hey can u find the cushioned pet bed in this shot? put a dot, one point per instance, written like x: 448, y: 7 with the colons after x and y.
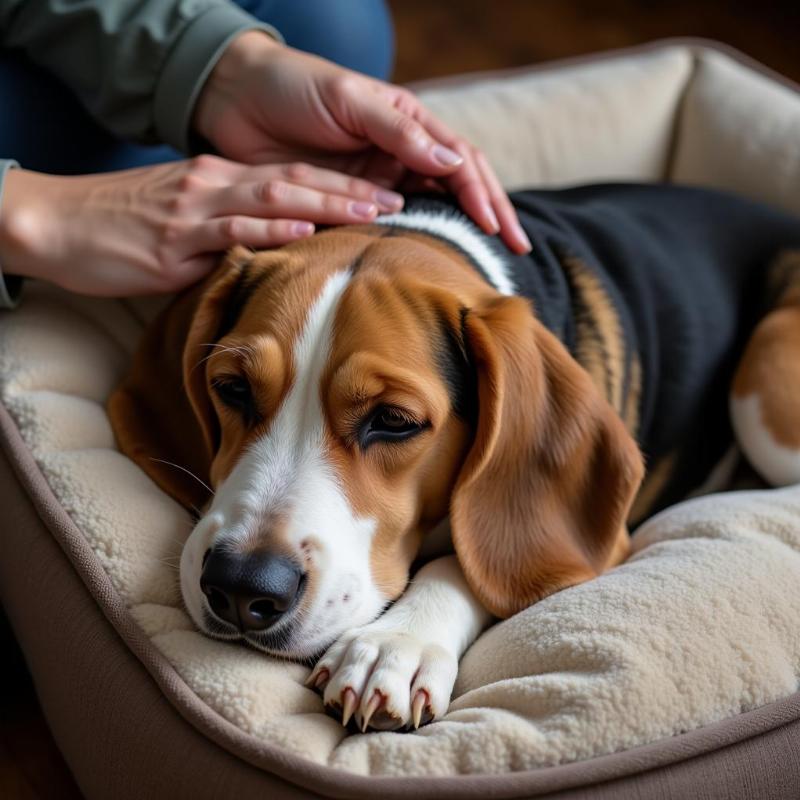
x: 673, y: 675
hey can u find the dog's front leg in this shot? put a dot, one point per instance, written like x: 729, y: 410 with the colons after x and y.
x: 400, y: 670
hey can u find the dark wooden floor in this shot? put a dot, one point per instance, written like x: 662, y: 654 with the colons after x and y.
x: 436, y: 38
x: 443, y: 37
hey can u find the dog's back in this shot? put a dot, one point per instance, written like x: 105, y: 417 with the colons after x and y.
x: 655, y: 290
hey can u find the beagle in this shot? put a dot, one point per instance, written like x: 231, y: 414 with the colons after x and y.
x: 340, y: 408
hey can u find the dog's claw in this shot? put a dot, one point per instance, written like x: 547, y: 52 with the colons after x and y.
x: 349, y: 701
x: 316, y: 679
x: 417, y: 704
x: 386, y: 680
x: 322, y: 679
x: 373, y: 705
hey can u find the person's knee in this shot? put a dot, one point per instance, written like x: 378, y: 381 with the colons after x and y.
x: 354, y: 33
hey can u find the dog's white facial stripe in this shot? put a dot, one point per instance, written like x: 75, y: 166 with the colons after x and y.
x: 264, y: 477
x: 285, y: 472
x: 457, y: 229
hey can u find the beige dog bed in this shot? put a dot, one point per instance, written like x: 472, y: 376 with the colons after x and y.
x: 698, y: 632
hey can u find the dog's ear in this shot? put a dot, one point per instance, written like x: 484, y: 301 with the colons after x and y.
x: 161, y: 413
x: 542, y: 498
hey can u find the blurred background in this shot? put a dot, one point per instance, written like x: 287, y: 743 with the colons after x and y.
x: 445, y: 37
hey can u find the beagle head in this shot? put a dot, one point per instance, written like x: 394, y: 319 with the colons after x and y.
x: 342, y: 396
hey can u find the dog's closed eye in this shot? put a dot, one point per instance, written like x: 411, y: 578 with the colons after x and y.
x: 235, y: 392
x: 389, y: 424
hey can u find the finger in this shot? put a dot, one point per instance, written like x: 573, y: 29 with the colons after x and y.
x: 337, y: 180
x: 384, y: 169
x: 372, y: 164
x: 402, y: 135
x: 414, y: 184
x: 473, y: 195
x: 219, y: 234
x: 188, y: 272
x: 480, y: 193
x: 280, y: 199
x: 437, y: 128
x: 340, y: 183
x: 510, y: 229
x: 477, y: 187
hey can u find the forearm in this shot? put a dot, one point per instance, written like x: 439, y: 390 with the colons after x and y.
x: 136, y: 66
x: 440, y: 606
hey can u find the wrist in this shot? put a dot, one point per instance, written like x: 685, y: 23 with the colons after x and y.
x: 251, y: 49
x: 17, y: 220
x: 22, y: 216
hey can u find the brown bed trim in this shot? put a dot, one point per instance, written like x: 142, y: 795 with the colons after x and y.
x: 726, y: 741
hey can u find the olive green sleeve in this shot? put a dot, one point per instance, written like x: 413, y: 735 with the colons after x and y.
x: 136, y: 65
x: 10, y: 285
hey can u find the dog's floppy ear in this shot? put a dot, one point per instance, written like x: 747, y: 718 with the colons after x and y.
x: 161, y: 413
x: 542, y: 498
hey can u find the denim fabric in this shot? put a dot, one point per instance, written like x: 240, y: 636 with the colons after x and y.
x: 46, y: 129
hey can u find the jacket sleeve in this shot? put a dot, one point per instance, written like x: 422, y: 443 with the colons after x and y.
x: 10, y: 285
x: 136, y: 65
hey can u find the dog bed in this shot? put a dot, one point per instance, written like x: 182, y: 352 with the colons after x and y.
x: 673, y: 675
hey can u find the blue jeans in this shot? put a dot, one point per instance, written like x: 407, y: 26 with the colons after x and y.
x: 49, y: 131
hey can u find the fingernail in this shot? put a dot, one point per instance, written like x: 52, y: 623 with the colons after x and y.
x: 522, y: 237
x: 389, y: 201
x: 445, y: 156
x: 302, y: 228
x: 490, y: 217
x: 363, y: 209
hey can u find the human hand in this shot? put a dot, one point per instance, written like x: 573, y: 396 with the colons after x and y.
x: 160, y: 228
x: 265, y: 102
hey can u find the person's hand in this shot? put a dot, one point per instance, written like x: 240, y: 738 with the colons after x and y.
x: 265, y: 102
x: 160, y: 228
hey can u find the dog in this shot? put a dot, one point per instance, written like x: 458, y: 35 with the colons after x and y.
x: 376, y: 397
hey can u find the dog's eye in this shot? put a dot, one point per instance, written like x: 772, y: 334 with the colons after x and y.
x: 234, y: 391
x: 389, y: 424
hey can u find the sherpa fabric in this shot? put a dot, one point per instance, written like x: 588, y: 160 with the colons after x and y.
x: 699, y: 625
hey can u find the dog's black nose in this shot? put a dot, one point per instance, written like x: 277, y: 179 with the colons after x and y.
x: 250, y: 590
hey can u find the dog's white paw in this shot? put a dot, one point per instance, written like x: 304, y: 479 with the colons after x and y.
x: 385, y: 679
